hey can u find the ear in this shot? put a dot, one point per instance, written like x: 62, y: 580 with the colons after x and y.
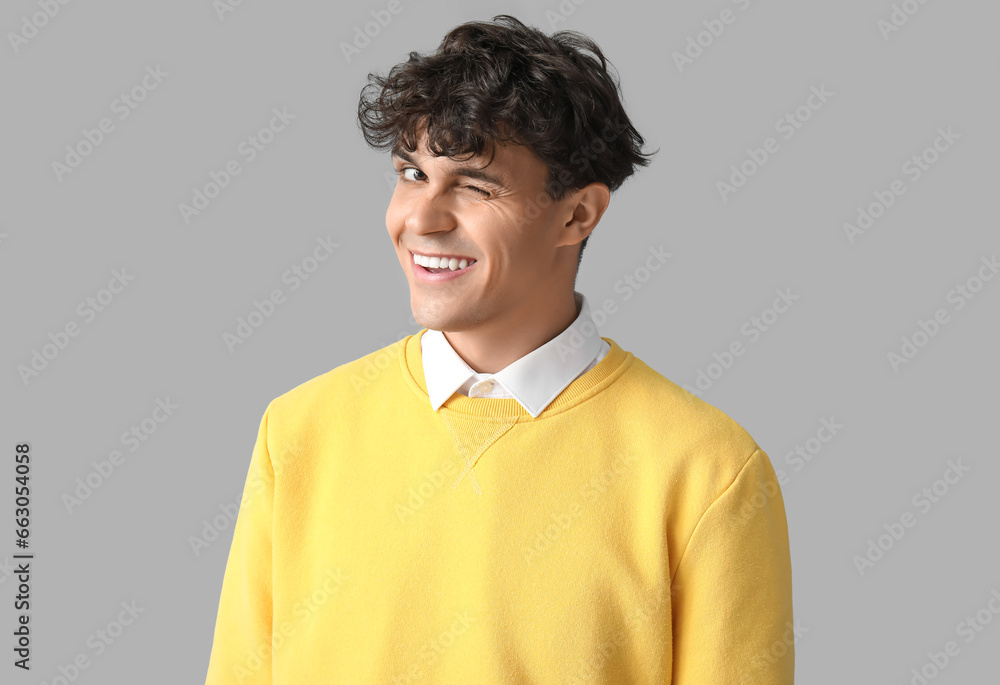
x: 586, y: 207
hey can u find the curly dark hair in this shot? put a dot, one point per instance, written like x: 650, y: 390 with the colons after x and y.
x: 504, y: 82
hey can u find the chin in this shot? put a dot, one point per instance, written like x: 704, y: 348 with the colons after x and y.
x: 437, y: 319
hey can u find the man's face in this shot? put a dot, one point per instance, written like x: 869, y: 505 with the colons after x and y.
x: 515, y: 236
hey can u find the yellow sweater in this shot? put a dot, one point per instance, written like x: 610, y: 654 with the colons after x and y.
x: 630, y: 534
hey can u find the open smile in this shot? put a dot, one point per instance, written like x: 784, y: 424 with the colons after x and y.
x: 440, y: 268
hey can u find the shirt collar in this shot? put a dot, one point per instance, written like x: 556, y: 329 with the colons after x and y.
x: 534, y: 380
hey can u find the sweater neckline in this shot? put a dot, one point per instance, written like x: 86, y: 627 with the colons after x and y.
x: 614, y: 363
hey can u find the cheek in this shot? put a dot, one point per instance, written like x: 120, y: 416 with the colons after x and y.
x: 393, y: 217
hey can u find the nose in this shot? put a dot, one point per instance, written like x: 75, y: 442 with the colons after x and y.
x: 426, y: 211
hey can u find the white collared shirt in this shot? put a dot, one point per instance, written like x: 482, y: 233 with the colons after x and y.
x: 534, y: 380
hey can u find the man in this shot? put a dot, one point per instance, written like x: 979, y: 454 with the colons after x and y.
x: 505, y: 496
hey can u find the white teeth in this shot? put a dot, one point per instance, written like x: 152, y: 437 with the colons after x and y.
x: 441, y: 263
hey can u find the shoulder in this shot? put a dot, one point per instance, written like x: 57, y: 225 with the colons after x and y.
x: 335, y: 391
x: 696, y: 434
x: 695, y: 450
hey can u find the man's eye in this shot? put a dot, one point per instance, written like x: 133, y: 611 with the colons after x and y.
x: 402, y: 172
x: 479, y: 190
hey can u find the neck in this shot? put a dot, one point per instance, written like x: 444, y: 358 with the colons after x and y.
x: 495, y: 345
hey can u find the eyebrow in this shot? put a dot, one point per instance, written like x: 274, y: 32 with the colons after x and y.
x: 459, y: 170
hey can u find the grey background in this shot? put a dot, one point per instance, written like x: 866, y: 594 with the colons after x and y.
x: 162, y: 336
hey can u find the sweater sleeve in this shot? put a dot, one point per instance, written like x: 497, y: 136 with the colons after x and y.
x: 241, y: 649
x: 732, y: 589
